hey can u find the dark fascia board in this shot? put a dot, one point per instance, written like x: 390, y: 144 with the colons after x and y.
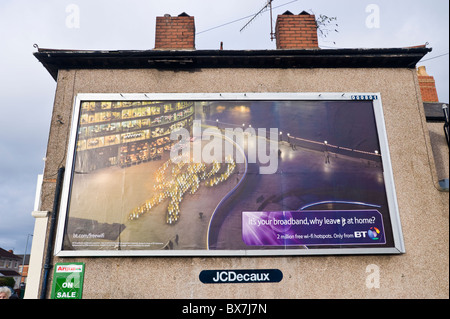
x: 54, y: 60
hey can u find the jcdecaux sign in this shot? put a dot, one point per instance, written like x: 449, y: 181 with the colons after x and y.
x: 240, y: 276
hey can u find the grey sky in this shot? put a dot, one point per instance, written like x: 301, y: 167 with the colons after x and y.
x: 27, y: 90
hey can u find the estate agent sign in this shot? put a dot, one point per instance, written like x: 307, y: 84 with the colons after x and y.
x: 68, y: 281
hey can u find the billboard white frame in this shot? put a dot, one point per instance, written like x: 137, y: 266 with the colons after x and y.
x: 399, y: 247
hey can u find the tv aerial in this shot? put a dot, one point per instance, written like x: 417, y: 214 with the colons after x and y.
x: 268, y: 6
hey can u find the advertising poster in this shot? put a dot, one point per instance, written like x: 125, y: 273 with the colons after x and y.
x: 206, y: 175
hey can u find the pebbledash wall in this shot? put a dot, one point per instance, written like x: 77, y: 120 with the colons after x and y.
x: 422, y: 272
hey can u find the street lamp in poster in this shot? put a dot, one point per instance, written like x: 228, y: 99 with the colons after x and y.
x: 278, y: 174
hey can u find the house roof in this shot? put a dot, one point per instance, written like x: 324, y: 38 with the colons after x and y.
x: 55, y: 60
x: 7, y: 254
x: 434, y: 112
x: 9, y: 273
x: 27, y: 258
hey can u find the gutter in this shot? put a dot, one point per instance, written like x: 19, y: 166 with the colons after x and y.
x: 54, y: 60
x: 51, y: 233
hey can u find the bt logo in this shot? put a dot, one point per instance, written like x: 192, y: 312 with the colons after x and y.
x: 373, y: 233
x: 359, y: 234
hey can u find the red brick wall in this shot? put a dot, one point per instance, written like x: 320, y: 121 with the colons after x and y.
x: 176, y: 33
x: 427, y: 85
x: 428, y: 89
x: 296, y: 32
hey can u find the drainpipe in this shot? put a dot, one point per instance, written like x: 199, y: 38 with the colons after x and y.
x: 444, y: 183
x: 445, y: 110
x: 51, y: 233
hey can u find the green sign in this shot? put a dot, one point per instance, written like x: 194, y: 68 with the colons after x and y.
x: 68, y: 281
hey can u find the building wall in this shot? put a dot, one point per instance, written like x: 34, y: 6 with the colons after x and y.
x: 423, y: 272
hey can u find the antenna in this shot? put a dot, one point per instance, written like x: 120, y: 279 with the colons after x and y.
x: 264, y: 9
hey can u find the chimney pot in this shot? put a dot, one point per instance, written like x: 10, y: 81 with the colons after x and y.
x: 422, y: 71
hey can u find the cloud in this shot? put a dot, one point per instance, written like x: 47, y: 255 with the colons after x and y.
x: 16, y: 203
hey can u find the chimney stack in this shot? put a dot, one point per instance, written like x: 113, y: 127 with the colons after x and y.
x: 175, y: 33
x: 296, y: 31
x: 427, y: 85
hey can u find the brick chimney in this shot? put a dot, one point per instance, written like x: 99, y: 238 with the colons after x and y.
x: 175, y: 33
x: 296, y: 31
x: 427, y: 85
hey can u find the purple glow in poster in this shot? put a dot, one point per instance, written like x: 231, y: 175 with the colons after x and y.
x: 346, y: 227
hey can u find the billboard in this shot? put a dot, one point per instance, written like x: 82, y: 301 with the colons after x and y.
x: 228, y: 175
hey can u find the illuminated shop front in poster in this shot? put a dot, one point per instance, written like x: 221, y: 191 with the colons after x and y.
x: 228, y: 175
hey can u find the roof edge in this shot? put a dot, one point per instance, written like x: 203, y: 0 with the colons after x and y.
x: 56, y: 59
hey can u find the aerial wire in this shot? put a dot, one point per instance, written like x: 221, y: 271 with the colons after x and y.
x: 438, y: 56
x: 240, y: 19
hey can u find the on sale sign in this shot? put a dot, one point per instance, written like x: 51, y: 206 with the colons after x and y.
x: 68, y: 281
